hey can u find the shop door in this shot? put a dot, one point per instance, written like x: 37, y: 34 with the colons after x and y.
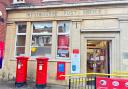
x: 98, y: 56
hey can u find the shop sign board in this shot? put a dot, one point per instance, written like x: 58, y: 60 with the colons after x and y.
x: 75, y: 61
x: 111, y: 83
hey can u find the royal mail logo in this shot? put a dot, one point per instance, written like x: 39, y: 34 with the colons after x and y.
x: 115, y: 83
x: 126, y: 84
x: 103, y: 82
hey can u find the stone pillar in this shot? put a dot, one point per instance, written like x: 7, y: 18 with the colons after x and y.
x: 75, y: 37
x: 124, y: 44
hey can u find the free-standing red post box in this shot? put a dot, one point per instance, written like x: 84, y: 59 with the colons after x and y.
x: 21, y: 71
x: 41, y: 72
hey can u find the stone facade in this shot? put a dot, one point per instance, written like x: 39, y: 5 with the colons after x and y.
x: 88, y: 22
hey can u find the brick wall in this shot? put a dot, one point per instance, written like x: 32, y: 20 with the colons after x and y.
x: 3, y: 24
x: 3, y: 5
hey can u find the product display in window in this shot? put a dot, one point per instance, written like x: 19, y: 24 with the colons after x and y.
x: 63, y: 39
x: 97, y: 56
x: 96, y: 60
x: 63, y: 46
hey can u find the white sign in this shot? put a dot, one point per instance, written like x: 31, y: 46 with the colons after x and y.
x: 40, y: 67
x: 75, y: 63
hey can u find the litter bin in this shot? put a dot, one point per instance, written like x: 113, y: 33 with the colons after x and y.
x: 41, y: 72
x: 21, y: 71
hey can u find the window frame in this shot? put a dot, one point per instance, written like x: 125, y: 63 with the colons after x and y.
x: 19, y: 34
x: 59, y: 34
x: 40, y: 34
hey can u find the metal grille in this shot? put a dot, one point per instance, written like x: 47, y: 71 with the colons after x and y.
x: 82, y: 82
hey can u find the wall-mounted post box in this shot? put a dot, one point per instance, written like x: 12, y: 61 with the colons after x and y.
x: 21, y: 71
x: 41, y: 72
x: 60, y: 70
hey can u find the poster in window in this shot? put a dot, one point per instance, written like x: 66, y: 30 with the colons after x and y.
x: 63, y: 46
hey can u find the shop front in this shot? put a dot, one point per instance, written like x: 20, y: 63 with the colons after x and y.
x: 86, y: 39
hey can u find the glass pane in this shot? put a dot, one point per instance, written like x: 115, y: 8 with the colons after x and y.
x: 20, y: 40
x: 41, y: 40
x: 21, y: 28
x: 97, y: 56
x: 20, y: 51
x: 63, y: 46
x: 41, y: 51
x: 63, y: 27
x: 44, y: 27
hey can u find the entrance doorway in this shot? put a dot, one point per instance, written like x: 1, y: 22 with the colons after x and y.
x: 98, y: 56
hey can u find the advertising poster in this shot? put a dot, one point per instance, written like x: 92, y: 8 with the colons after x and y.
x: 111, y: 83
x: 75, y: 61
x: 63, y: 46
x: 1, y: 53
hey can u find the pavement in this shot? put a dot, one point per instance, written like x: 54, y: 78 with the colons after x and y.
x: 29, y: 85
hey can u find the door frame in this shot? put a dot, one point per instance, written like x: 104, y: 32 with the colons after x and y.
x: 108, y: 54
x: 114, y: 51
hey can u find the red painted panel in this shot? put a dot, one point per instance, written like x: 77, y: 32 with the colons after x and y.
x: 111, y: 83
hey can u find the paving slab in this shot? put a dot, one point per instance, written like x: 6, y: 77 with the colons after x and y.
x: 29, y: 85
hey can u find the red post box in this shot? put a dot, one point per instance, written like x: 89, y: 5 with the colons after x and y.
x: 21, y: 71
x: 41, y: 72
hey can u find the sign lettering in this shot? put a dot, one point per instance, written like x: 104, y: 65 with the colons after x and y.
x: 80, y: 12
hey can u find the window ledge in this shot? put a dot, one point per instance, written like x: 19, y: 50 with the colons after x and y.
x: 50, y: 60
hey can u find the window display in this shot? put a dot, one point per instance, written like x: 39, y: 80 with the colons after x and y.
x: 63, y: 39
x: 96, y: 57
x: 63, y: 46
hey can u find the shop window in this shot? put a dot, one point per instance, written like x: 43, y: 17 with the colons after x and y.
x: 63, y: 39
x: 41, y: 39
x: 20, y: 39
x: 18, y: 1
